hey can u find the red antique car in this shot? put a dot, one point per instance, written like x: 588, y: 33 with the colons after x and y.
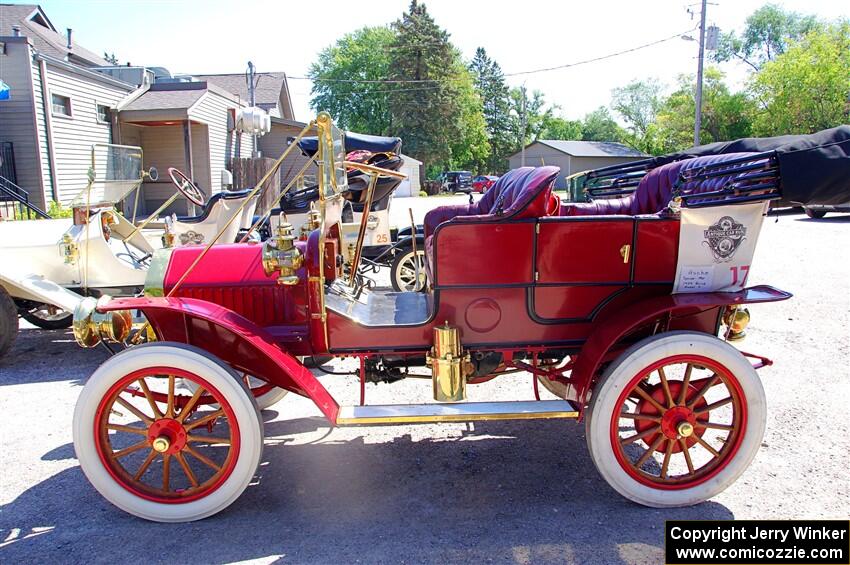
x: 620, y: 308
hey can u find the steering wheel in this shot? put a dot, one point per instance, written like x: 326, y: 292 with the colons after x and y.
x: 186, y: 187
x: 371, y: 170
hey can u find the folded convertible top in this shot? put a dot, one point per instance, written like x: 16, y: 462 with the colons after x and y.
x: 354, y: 141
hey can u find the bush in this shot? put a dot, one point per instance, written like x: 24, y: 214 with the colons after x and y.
x: 423, y: 193
x: 56, y: 210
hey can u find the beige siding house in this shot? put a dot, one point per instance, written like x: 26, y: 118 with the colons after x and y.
x: 574, y: 156
x: 64, y: 99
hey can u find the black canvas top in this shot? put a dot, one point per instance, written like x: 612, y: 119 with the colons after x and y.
x: 354, y: 141
x: 813, y: 169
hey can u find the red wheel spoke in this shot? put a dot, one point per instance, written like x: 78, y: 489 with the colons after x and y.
x: 149, y: 397
x: 638, y: 416
x: 643, y: 458
x: 186, y: 469
x: 144, y: 467
x: 713, y: 426
x: 203, y: 459
x: 685, y: 451
x: 666, y: 386
x: 705, y: 444
x: 211, y: 440
x: 201, y: 421
x: 128, y: 450
x: 169, y: 411
x: 711, y: 382
x: 187, y: 409
x: 641, y: 435
x: 685, y: 383
x: 712, y: 406
x: 138, y: 413
x: 667, y: 454
x: 128, y: 429
x: 645, y: 395
x: 166, y: 472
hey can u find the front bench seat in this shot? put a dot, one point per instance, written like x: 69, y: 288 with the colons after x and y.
x: 655, y: 189
x: 521, y: 193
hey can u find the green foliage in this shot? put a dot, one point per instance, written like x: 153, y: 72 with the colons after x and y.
x: 438, y: 115
x: 638, y: 103
x: 767, y: 34
x: 556, y: 127
x: 599, y: 125
x: 55, y: 210
x: 805, y: 89
x: 495, y: 102
x: 359, y: 106
x: 725, y: 115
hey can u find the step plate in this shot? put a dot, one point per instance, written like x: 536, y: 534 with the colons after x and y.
x: 460, y: 412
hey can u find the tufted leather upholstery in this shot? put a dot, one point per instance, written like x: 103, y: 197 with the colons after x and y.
x: 520, y: 193
x: 655, y: 189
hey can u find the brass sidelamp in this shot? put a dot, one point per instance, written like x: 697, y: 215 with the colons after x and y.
x: 91, y: 327
x: 280, y: 254
x: 449, y: 365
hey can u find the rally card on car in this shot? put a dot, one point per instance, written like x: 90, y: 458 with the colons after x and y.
x: 716, y: 246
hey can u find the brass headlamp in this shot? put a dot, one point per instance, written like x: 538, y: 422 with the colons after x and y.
x: 281, y: 255
x: 91, y: 326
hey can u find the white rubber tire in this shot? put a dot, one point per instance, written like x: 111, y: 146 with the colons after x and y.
x: 618, y: 375
x: 216, y: 373
x: 271, y: 398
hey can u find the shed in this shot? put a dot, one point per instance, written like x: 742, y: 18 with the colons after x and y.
x: 409, y: 186
x: 574, y: 156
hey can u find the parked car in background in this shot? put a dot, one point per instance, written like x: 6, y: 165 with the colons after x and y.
x: 818, y: 211
x: 457, y: 181
x: 483, y: 182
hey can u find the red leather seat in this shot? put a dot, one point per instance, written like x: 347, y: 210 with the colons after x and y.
x: 521, y: 193
x: 655, y: 189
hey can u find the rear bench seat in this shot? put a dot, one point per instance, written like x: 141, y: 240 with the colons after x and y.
x: 521, y: 193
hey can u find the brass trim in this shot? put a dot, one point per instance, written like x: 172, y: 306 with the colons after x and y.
x: 460, y: 412
x: 625, y: 251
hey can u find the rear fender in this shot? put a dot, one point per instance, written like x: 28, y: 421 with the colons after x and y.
x: 244, y: 345
x: 612, y: 326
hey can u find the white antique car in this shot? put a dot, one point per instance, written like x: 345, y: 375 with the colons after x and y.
x: 48, y: 266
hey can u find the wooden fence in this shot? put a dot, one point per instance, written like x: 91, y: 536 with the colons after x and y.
x: 248, y: 172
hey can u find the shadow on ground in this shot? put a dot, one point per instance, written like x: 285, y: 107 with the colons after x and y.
x: 512, y: 492
x: 42, y: 356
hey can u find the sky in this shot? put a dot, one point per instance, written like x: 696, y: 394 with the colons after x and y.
x: 218, y: 36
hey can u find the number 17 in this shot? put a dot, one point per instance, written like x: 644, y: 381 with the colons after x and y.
x: 741, y: 279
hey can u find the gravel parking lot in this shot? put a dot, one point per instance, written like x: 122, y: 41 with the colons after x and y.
x: 513, y: 492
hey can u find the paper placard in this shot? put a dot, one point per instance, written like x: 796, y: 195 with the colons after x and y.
x: 716, y: 247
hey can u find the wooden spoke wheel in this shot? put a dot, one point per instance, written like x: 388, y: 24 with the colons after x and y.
x: 403, y: 271
x: 155, y: 448
x: 676, y: 419
x: 266, y: 395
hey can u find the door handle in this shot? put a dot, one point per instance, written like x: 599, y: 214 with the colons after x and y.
x: 625, y: 251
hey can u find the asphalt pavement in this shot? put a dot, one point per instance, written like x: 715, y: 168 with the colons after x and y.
x: 503, y: 492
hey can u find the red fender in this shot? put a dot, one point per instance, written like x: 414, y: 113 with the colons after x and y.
x: 234, y: 339
x: 612, y: 326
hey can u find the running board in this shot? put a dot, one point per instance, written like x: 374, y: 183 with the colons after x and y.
x: 460, y: 412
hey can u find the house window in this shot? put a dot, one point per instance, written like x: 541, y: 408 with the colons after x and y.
x: 61, y: 105
x: 104, y: 114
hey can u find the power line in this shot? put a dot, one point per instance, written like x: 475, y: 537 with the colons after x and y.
x: 518, y: 73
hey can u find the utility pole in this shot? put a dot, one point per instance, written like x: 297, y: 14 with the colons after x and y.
x: 524, y: 121
x: 698, y: 114
x: 252, y: 101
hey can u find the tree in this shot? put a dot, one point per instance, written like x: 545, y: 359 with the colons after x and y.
x: 359, y: 56
x: 637, y: 103
x: 111, y: 58
x: 598, y: 125
x: 556, y: 127
x: 432, y: 108
x: 766, y: 35
x: 495, y: 100
x: 805, y: 89
x: 725, y: 115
